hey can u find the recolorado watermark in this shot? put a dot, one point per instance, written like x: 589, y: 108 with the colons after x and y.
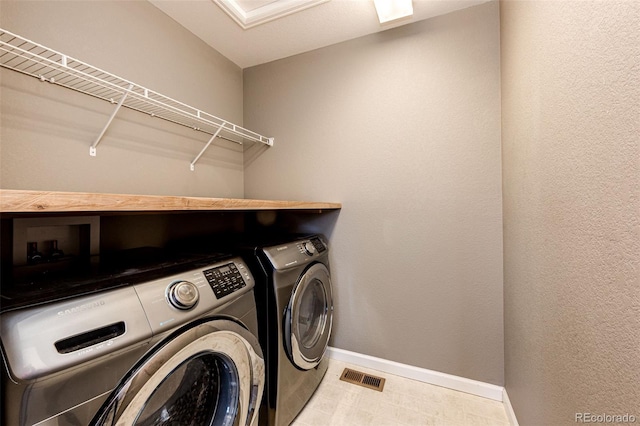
x: 604, y: 418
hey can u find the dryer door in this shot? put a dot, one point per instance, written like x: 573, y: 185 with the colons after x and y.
x: 308, y: 317
x: 208, y: 373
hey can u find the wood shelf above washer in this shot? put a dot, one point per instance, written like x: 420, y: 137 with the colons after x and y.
x: 23, y: 201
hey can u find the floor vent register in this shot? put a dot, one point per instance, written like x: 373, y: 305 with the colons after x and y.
x: 362, y: 379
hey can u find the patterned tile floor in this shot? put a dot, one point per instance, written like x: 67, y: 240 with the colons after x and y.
x: 402, y: 402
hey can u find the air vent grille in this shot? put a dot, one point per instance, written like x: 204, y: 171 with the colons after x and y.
x: 362, y: 379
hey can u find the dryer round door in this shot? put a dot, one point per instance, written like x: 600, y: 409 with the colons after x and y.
x: 207, y: 373
x: 308, y: 317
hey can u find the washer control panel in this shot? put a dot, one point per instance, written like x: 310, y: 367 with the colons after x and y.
x: 226, y: 279
x: 171, y: 301
x: 182, y: 295
x: 47, y: 338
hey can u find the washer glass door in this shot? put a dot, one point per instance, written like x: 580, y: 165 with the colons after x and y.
x: 308, y: 318
x: 202, y: 390
x: 199, y: 377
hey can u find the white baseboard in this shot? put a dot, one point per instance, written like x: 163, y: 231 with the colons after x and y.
x: 474, y: 387
x: 462, y: 384
x: 511, y: 415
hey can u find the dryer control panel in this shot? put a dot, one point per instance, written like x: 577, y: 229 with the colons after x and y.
x: 296, y: 253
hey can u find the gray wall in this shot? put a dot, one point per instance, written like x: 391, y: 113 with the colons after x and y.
x: 402, y: 127
x: 46, y: 130
x: 571, y: 165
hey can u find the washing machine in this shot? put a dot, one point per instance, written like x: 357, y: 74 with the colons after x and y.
x: 162, y: 346
x: 294, y: 298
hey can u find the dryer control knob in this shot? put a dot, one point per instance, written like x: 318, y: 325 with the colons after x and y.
x: 309, y: 248
x: 182, y: 295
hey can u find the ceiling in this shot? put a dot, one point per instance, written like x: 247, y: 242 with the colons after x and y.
x: 316, y: 24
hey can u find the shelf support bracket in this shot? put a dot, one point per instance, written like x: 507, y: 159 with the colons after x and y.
x: 92, y: 148
x: 192, y: 166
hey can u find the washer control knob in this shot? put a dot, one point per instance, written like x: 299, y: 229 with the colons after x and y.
x: 182, y: 295
x: 309, y: 248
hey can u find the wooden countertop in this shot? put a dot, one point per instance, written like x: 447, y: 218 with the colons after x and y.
x: 21, y: 201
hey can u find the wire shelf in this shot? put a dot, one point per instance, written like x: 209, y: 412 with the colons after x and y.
x: 27, y: 57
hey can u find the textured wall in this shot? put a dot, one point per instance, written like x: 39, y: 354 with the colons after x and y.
x: 571, y: 174
x: 46, y: 130
x: 402, y: 127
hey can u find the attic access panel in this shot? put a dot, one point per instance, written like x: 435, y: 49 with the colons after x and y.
x: 250, y: 13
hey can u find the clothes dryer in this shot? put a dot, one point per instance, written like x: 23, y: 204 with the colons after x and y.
x: 180, y: 349
x: 295, y: 307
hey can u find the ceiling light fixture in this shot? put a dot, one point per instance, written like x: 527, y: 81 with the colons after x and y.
x: 391, y: 10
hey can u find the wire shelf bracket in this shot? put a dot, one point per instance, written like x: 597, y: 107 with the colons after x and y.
x: 92, y: 148
x: 27, y: 57
x: 192, y: 166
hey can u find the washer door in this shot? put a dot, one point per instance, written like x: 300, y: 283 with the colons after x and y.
x: 209, y: 373
x: 308, y: 317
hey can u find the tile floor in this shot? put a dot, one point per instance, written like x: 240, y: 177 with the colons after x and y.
x: 402, y: 402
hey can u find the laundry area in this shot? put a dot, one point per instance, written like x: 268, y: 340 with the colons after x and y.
x: 303, y: 212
